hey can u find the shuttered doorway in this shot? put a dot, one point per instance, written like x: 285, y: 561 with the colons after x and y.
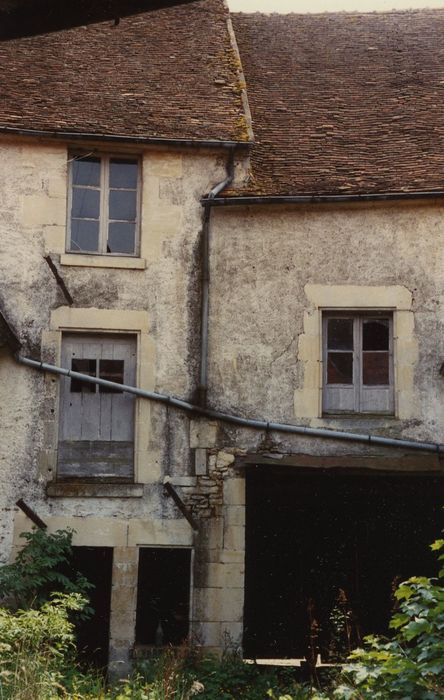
x: 96, y: 433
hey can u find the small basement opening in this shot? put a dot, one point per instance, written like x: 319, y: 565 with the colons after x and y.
x: 322, y: 544
x: 163, y: 596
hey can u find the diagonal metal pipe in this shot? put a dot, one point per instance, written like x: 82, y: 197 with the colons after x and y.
x: 238, y: 420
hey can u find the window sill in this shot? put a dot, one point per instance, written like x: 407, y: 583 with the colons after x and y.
x: 84, y: 490
x: 362, y: 416
x: 116, y: 261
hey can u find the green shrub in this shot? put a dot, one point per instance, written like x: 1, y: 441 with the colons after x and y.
x: 36, y: 572
x: 36, y: 645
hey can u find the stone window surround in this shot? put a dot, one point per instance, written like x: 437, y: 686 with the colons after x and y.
x: 100, y: 321
x: 396, y: 299
x: 158, y: 216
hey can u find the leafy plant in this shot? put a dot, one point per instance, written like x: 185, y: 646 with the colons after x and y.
x: 37, y: 571
x: 35, y: 647
x: 410, y: 666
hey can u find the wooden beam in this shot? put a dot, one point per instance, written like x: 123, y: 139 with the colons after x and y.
x: 408, y: 463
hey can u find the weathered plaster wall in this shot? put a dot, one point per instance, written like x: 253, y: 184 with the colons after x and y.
x: 269, y: 268
x: 163, y: 286
x: 266, y: 264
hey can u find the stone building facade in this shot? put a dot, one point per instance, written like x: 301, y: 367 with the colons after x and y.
x: 318, y: 296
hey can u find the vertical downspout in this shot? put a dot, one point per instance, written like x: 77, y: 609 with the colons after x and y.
x: 205, y: 290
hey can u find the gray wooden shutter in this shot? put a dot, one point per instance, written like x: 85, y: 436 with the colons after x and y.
x: 96, y: 427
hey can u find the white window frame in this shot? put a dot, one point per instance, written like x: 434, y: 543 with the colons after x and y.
x: 357, y: 389
x: 104, y: 220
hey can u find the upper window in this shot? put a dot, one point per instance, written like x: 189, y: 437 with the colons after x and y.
x: 358, y: 363
x: 104, y: 205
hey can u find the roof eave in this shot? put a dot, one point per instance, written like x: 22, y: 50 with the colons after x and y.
x: 121, y: 138
x: 322, y: 198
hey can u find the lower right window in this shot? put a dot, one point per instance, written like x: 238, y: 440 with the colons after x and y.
x: 358, y: 362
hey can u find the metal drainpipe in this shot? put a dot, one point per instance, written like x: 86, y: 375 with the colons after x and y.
x: 205, y: 291
x: 238, y: 420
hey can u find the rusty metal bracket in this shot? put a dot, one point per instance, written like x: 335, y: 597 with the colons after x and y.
x: 60, y: 281
x: 32, y: 515
x: 170, y: 491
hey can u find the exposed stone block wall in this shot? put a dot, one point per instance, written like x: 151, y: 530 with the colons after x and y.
x: 123, y: 609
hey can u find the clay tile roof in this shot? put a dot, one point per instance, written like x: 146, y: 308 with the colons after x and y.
x: 170, y: 73
x: 345, y: 103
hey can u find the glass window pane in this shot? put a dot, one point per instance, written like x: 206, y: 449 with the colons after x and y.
x: 112, y: 371
x: 122, y: 205
x: 86, y: 171
x: 340, y: 334
x: 340, y: 368
x: 84, y: 235
x: 85, y: 367
x: 375, y: 334
x: 121, y: 238
x: 375, y: 368
x: 85, y: 203
x: 123, y: 173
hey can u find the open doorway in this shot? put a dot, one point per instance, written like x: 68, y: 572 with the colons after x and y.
x: 320, y: 543
x: 95, y: 563
x: 163, y: 596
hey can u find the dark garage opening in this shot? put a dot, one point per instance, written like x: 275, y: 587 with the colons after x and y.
x: 95, y: 563
x: 312, y: 534
x: 163, y: 596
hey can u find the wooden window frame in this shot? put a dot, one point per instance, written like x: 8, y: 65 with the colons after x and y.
x: 104, y: 189
x: 357, y: 386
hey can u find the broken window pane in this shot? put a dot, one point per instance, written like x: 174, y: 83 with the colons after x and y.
x: 84, y: 367
x: 375, y: 334
x: 340, y: 368
x: 121, y: 237
x: 112, y: 371
x: 375, y: 368
x: 86, y: 171
x: 123, y: 174
x: 340, y: 334
x: 84, y: 235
